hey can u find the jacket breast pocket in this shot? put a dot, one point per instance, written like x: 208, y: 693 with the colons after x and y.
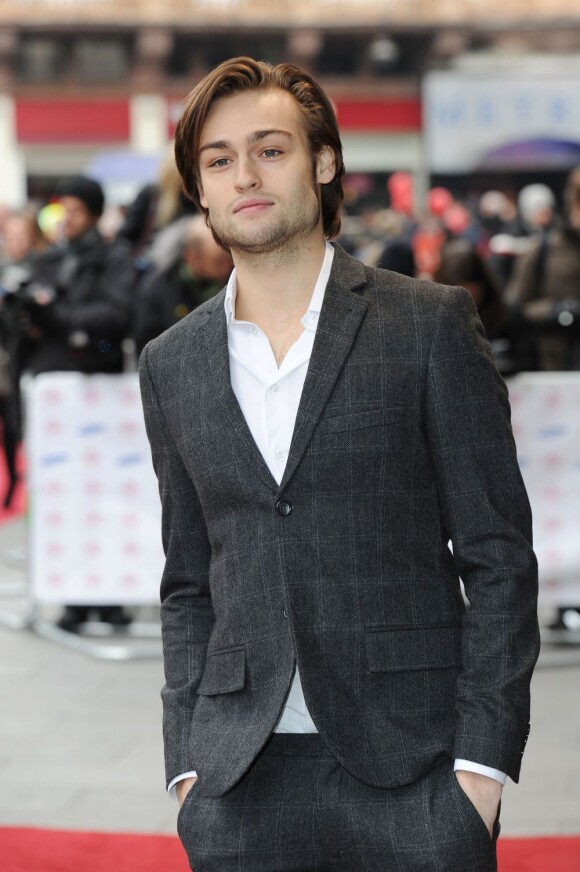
x: 405, y: 649
x: 225, y: 672
x: 357, y: 420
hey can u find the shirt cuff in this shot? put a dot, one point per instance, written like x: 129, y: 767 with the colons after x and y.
x: 469, y: 766
x: 171, y: 790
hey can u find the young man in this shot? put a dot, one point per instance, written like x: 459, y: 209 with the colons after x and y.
x: 321, y: 431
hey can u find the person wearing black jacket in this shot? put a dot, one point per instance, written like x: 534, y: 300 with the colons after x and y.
x: 81, y: 295
x: 84, y: 290
x: 512, y: 337
x: 22, y: 243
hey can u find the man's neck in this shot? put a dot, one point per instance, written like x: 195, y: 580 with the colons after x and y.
x: 274, y: 289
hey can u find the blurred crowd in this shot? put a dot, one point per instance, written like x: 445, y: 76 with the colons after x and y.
x: 75, y: 297
x: 81, y: 292
x: 518, y: 256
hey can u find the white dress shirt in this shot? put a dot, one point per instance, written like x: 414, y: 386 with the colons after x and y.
x: 269, y: 396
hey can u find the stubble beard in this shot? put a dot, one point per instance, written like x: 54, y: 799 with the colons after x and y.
x: 287, y: 233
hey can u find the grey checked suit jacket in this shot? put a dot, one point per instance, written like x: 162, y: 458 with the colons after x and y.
x: 402, y: 444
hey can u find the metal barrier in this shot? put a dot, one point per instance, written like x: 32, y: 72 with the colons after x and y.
x: 94, y: 514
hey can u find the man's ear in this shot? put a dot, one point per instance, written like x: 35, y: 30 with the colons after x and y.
x: 325, y: 165
x: 201, y: 195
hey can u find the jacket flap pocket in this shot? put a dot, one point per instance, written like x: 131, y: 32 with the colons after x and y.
x: 407, y: 648
x: 225, y: 671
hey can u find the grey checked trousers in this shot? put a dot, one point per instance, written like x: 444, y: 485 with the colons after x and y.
x: 298, y: 810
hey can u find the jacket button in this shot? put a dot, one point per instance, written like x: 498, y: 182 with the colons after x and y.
x: 283, y: 507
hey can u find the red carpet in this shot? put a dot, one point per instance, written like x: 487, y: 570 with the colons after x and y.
x: 34, y: 850
x: 18, y: 503
x: 553, y: 854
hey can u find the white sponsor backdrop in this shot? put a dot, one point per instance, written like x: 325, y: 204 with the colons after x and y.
x: 546, y: 422
x: 94, y: 504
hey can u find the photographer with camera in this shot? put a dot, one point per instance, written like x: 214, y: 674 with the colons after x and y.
x: 80, y: 307
x: 546, y: 285
x: 82, y: 291
x: 22, y: 242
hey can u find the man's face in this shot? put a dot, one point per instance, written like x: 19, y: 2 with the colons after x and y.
x: 18, y: 238
x: 77, y: 219
x: 257, y: 176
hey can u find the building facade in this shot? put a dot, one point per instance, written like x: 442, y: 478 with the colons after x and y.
x: 88, y: 83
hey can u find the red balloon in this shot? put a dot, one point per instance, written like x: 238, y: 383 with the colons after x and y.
x: 438, y: 201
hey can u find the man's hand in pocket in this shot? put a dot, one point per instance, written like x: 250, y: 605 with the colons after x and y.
x: 183, y: 788
x: 483, y: 792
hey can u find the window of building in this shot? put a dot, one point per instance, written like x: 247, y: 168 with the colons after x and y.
x: 102, y: 59
x: 41, y: 59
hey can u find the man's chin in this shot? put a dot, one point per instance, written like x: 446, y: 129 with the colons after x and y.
x: 254, y: 244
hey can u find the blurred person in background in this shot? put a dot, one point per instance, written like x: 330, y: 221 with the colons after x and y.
x: 546, y: 283
x: 397, y: 252
x: 22, y: 238
x: 83, y: 306
x: 150, y: 220
x: 537, y: 208
x: 428, y: 240
x: 503, y: 235
x: 22, y: 242
x: 512, y: 337
x: 383, y: 240
x: 397, y: 255
x: 320, y: 430
x: 169, y: 294
x: 444, y: 218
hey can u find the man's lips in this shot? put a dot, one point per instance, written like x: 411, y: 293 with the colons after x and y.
x: 254, y: 205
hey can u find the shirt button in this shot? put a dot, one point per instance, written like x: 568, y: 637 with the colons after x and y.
x: 275, y: 388
x: 254, y: 331
x: 283, y: 507
x: 279, y: 455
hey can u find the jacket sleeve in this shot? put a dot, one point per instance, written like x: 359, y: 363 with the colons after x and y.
x: 487, y: 516
x: 187, y: 616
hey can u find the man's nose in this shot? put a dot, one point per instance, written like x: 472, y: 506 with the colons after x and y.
x: 246, y: 175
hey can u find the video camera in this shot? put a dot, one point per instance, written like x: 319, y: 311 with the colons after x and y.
x: 21, y: 297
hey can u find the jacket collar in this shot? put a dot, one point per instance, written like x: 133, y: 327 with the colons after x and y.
x: 342, y: 312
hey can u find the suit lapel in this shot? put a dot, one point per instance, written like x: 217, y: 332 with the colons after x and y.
x: 222, y: 397
x: 340, y: 318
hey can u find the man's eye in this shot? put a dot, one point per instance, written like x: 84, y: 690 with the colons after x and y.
x: 271, y: 152
x: 220, y: 162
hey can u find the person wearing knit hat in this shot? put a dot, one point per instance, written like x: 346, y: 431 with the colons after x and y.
x: 88, y: 191
x: 83, y: 202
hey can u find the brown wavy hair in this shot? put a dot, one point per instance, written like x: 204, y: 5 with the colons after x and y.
x: 246, y: 74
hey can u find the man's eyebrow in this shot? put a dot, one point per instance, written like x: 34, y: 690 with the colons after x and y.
x: 256, y: 136
x: 219, y: 144
x: 262, y: 134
